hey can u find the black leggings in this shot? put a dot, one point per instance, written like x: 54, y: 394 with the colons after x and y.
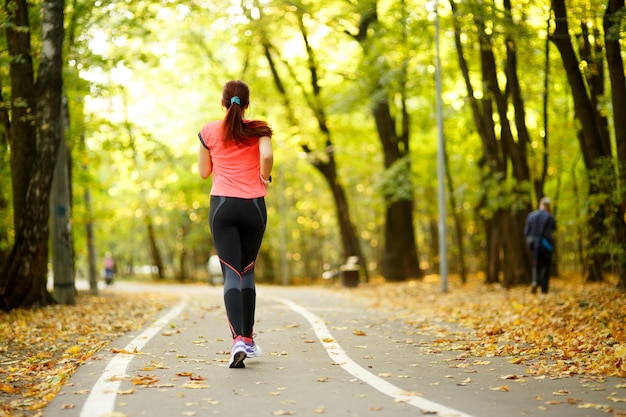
x: 237, y: 226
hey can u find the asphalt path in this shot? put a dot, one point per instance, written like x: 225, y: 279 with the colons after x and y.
x: 324, y: 353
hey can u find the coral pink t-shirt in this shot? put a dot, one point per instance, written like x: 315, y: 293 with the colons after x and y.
x: 236, y: 167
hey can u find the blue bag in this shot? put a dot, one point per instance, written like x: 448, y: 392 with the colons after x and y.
x: 547, y: 245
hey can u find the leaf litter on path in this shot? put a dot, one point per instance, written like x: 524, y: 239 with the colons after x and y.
x: 576, y: 329
x: 41, y: 348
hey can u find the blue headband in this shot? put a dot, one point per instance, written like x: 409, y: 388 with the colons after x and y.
x: 235, y: 99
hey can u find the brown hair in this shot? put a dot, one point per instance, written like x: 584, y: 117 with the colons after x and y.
x: 235, y: 127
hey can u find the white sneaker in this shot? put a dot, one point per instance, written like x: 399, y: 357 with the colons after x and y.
x: 238, y: 354
x: 253, y: 351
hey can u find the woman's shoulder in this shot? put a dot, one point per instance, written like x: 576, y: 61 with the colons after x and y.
x: 211, y: 129
x: 212, y: 125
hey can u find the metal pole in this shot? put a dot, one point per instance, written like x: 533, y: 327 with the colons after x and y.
x: 443, y: 252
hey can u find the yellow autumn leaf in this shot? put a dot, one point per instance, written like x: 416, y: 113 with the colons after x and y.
x: 74, y: 350
x: 613, y: 397
x: 195, y: 385
x: 126, y: 392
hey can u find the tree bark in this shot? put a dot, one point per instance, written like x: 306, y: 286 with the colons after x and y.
x: 457, y: 215
x: 5, y: 173
x: 504, y: 227
x: 23, y: 127
x: 24, y: 278
x: 157, y: 260
x: 615, y: 67
x: 400, y: 258
x: 61, y: 230
x: 92, y: 257
x: 592, y: 136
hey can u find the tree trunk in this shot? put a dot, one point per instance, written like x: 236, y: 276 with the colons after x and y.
x: 154, y: 250
x: 5, y: 174
x: 182, y: 255
x: 493, y: 263
x: 349, y: 240
x: 593, y: 137
x: 92, y: 257
x: 61, y: 230
x: 23, y: 133
x: 24, y: 278
x: 615, y: 67
x: 504, y: 228
x: 457, y: 215
x: 323, y: 161
x: 400, y: 257
x: 400, y: 261
x: 433, y: 245
x: 513, y: 249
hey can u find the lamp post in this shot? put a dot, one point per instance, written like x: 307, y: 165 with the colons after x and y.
x: 443, y: 252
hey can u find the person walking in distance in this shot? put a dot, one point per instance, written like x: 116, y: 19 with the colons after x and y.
x: 538, y: 232
x: 238, y: 152
x: 109, y: 268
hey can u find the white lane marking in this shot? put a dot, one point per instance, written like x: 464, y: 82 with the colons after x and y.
x: 101, y: 399
x: 340, y: 357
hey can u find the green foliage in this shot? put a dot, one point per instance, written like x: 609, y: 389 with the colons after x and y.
x: 143, y: 77
x: 395, y: 184
x: 618, y: 22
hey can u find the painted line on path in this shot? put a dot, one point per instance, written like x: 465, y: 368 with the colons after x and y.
x: 103, y: 394
x: 340, y: 357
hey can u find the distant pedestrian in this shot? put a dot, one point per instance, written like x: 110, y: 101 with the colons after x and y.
x: 239, y: 154
x: 538, y: 232
x: 215, y: 269
x: 109, y: 268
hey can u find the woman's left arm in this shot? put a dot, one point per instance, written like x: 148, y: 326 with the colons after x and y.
x: 205, y: 165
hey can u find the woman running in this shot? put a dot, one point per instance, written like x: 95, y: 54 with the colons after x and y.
x: 239, y: 154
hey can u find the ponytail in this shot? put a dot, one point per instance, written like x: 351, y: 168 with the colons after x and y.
x: 236, y: 97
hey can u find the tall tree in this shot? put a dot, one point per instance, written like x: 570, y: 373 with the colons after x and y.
x: 504, y: 144
x: 322, y: 159
x: 5, y: 178
x: 400, y: 260
x: 588, y: 90
x: 23, y: 279
x: 613, y: 18
x: 60, y: 225
x: 22, y: 126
